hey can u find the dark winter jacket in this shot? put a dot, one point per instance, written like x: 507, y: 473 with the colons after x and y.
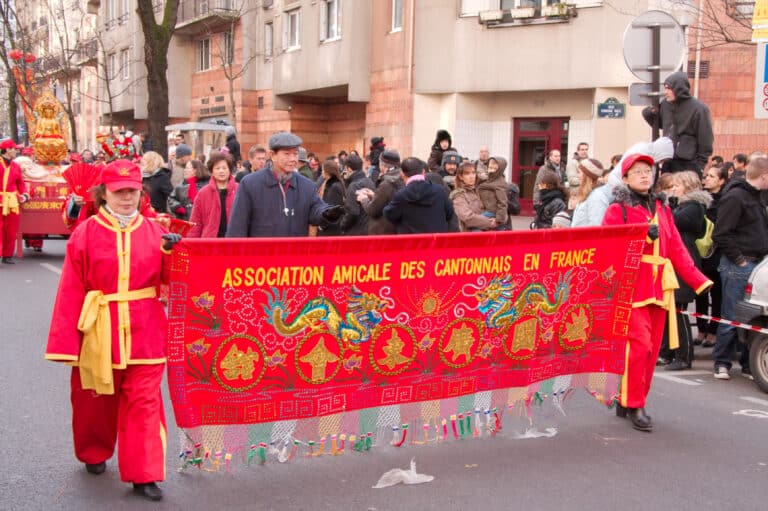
x: 687, y: 121
x: 333, y: 195
x: 552, y: 203
x: 420, y: 207
x: 688, y: 214
x: 160, y: 188
x: 494, y: 192
x: 436, y: 154
x: 262, y: 211
x: 355, y: 219
x: 183, y: 197
x: 741, y: 228
x: 548, y: 167
x: 377, y: 223
x: 234, y: 147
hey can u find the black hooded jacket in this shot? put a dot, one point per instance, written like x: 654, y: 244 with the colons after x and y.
x: 687, y: 121
x: 420, y: 207
x: 741, y: 229
x: 436, y: 154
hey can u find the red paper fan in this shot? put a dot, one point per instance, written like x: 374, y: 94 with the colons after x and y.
x: 180, y: 226
x: 82, y: 177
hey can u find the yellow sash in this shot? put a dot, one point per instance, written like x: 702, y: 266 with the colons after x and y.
x: 668, y: 285
x: 96, y: 352
x: 10, y: 200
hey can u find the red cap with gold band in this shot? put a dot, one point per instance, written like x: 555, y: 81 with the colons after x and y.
x: 8, y: 144
x: 121, y: 174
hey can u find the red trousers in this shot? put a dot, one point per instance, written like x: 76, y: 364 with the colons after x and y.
x: 646, y: 329
x: 132, y: 416
x: 9, y: 226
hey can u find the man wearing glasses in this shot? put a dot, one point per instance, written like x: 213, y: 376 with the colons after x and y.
x: 686, y: 121
x: 277, y: 201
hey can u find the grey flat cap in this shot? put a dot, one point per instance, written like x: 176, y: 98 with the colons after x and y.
x: 283, y: 140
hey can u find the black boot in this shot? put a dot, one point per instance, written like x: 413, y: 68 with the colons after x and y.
x: 96, y: 468
x: 677, y: 365
x: 8, y: 260
x: 621, y: 411
x: 149, y: 491
x: 640, y: 421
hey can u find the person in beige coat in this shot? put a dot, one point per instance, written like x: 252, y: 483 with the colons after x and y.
x: 494, y: 192
x: 466, y: 201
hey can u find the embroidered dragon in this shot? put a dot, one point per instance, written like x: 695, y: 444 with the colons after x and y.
x: 363, y: 314
x: 501, y: 309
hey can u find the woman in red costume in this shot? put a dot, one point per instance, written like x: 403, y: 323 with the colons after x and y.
x: 115, y: 262
x: 653, y: 302
x: 13, y: 192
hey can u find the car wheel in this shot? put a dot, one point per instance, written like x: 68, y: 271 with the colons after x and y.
x: 758, y: 361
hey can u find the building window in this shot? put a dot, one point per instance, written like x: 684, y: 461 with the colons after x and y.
x: 740, y: 9
x: 292, y: 29
x: 475, y: 7
x: 203, y: 55
x: 111, y: 13
x: 125, y: 66
x: 330, y: 20
x: 112, y: 66
x: 227, y: 48
x: 268, y: 40
x: 125, y: 11
x: 397, y: 15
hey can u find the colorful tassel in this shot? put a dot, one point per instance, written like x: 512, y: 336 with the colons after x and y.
x: 227, y: 461
x: 369, y: 441
x: 251, y: 454
x: 342, y: 441
x: 461, y: 424
x: 478, y: 424
x: 468, y: 423
x: 263, y: 453
x: 453, y: 426
x: 445, y: 430
x: 334, y: 445
x: 405, y: 434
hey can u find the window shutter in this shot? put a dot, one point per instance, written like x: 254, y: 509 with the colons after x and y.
x: 323, y: 20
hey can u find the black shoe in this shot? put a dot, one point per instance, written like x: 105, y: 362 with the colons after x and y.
x: 96, y: 468
x: 640, y: 421
x: 621, y: 411
x: 661, y: 361
x: 8, y: 260
x: 677, y: 365
x: 707, y: 344
x: 149, y: 491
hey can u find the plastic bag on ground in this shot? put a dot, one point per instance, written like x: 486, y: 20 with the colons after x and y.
x: 398, y: 475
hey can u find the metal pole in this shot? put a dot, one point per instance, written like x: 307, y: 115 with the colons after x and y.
x: 655, y: 75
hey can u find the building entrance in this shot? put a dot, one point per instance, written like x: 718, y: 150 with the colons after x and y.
x: 532, y: 139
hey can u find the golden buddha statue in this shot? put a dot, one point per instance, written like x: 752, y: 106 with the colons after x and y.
x: 48, y: 140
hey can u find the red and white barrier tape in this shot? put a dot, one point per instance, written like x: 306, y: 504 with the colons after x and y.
x: 745, y: 326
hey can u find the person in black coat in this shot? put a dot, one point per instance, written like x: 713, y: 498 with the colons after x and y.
x: 421, y: 206
x: 443, y: 143
x: 333, y: 192
x: 233, y: 145
x: 390, y: 181
x: 689, y: 205
x: 156, y: 179
x: 553, y: 199
x: 355, y: 219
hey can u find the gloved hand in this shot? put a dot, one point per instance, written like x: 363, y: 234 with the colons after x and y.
x: 170, y: 239
x: 333, y: 213
x: 653, y: 232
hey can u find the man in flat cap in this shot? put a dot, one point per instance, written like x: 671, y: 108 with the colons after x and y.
x: 278, y: 201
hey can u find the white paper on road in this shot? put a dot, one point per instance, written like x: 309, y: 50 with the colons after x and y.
x: 535, y: 433
x: 398, y: 475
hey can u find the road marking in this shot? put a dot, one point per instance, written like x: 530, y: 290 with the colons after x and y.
x: 50, y: 267
x: 755, y: 400
x: 758, y: 414
x: 676, y: 379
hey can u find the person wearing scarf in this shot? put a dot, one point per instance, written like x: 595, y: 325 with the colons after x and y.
x: 466, y: 201
x: 653, y: 302
x: 109, y: 324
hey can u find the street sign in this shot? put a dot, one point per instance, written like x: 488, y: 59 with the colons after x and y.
x: 640, y: 94
x: 611, y: 109
x: 638, y: 45
x: 761, y: 83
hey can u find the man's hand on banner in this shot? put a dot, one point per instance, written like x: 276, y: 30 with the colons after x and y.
x: 170, y: 239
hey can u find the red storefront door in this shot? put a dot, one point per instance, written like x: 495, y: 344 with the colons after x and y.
x: 532, y: 139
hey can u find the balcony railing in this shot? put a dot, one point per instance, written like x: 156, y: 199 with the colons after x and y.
x: 86, y: 52
x: 190, y: 10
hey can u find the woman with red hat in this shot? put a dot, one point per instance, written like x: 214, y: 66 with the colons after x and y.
x: 13, y: 192
x: 664, y: 254
x: 108, y: 323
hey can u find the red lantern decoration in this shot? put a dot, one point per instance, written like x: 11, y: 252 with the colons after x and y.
x: 29, y: 58
x: 15, y: 54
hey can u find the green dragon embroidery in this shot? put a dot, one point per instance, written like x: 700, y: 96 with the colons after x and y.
x: 355, y: 327
x: 501, y: 309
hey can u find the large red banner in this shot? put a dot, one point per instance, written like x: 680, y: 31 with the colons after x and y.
x: 268, y: 330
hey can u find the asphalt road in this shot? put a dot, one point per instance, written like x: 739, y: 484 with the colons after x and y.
x: 709, y: 449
